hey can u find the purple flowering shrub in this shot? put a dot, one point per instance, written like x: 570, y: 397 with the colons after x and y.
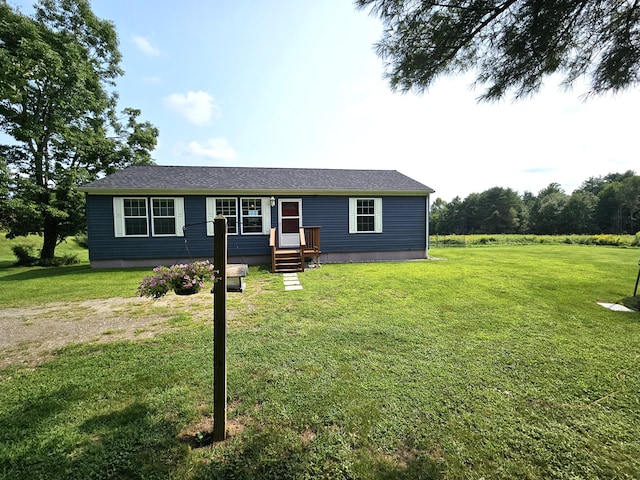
x: 182, y: 276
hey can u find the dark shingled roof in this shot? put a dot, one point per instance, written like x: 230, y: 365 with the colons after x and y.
x: 167, y: 179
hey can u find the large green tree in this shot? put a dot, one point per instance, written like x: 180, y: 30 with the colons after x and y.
x: 511, y: 45
x: 545, y: 213
x: 4, y: 180
x: 618, y: 208
x: 437, y: 217
x: 629, y: 192
x: 58, y: 104
x: 578, y: 213
x: 500, y: 211
x: 618, y: 205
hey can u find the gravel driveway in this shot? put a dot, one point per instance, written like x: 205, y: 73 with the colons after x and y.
x: 28, y: 336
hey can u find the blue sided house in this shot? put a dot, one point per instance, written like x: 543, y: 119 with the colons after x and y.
x: 154, y: 215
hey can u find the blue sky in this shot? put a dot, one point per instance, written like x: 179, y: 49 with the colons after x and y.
x: 296, y: 83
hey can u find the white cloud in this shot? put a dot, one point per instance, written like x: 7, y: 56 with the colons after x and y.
x: 214, y: 148
x: 197, y: 107
x: 145, y: 46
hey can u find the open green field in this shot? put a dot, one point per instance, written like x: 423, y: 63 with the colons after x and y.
x: 491, y: 363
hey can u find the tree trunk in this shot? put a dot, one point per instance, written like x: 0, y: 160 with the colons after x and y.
x: 50, y: 239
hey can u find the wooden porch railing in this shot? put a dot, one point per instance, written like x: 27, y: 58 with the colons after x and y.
x: 273, y: 246
x: 312, y: 243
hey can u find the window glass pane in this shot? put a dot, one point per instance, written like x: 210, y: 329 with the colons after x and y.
x: 251, y: 215
x: 163, y: 207
x: 164, y: 213
x: 365, y: 207
x: 251, y: 207
x: 290, y: 225
x: 252, y: 225
x: 365, y: 224
x: 135, y: 216
x: 290, y: 209
x: 135, y: 207
x: 135, y: 226
x: 365, y: 215
x: 232, y: 225
x: 228, y: 208
x: 164, y: 226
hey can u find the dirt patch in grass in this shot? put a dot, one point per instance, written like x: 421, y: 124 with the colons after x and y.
x: 30, y: 335
x: 200, y: 434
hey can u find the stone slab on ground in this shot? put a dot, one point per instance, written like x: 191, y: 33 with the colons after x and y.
x: 616, y: 307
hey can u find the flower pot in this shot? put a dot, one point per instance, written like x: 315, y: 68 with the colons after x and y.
x: 186, y: 290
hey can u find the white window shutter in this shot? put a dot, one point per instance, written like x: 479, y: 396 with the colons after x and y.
x: 377, y: 222
x: 266, y: 215
x: 353, y: 218
x: 178, y: 208
x: 211, y: 215
x: 118, y: 216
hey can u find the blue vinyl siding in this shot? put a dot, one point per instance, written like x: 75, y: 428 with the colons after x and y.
x: 103, y: 245
x: 404, y: 227
x: 403, y: 224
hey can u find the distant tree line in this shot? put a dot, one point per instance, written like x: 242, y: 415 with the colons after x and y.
x: 608, y: 204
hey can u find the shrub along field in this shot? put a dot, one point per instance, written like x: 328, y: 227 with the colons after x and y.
x: 488, y: 363
x: 517, y: 239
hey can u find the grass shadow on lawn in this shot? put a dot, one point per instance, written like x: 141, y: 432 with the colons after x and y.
x: 119, y: 444
x: 94, y: 424
x: 7, y: 264
x: 276, y: 452
x: 33, y: 273
x: 631, y: 302
x: 108, y: 425
x: 134, y: 442
x: 36, y: 273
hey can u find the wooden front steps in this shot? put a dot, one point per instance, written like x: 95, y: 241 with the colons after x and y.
x: 287, y: 261
x: 292, y: 260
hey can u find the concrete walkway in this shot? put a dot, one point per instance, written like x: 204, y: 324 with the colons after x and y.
x: 291, y: 281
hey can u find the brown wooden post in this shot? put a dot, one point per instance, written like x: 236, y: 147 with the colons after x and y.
x: 220, y: 330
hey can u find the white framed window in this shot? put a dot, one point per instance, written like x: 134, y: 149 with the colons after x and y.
x: 131, y: 216
x: 227, y: 206
x: 167, y: 216
x: 365, y: 215
x: 255, y: 216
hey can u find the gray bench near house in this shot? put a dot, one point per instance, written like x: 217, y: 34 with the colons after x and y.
x: 235, y: 277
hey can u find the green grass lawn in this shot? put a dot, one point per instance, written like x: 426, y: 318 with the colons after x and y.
x: 69, y: 247
x: 492, y: 363
x: 24, y: 286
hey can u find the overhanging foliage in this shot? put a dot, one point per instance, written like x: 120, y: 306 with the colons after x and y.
x: 512, y: 45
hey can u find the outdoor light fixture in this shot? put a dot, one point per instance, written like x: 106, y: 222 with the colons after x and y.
x: 272, y: 201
